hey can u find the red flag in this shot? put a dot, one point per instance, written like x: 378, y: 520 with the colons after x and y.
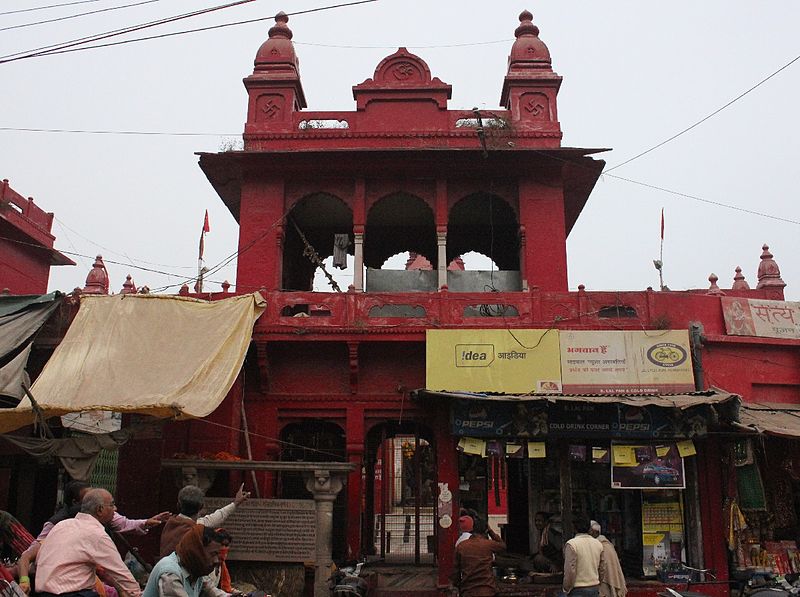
x: 662, y: 223
x: 207, y: 228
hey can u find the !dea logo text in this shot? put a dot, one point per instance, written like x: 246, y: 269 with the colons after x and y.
x: 666, y: 354
x: 474, y: 355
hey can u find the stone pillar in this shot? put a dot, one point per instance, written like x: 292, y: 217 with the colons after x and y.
x: 441, y: 258
x: 325, y: 486
x: 358, y: 259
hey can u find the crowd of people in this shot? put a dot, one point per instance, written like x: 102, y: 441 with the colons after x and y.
x: 74, y: 555
x: 588, y: 561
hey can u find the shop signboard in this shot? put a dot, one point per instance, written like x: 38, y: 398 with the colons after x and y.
x: 626, y: 362
x: 756, y: 317
x: 503, y: 361
x: 646, y: 466
x: 570, y: 418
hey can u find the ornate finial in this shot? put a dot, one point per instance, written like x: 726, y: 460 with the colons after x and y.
x: 184, y: 291
x: 280, y: 28
x: 581, y: 288
x: 769, y: 274
x: 128, y: 287
x: 226, y: 286
x: 97, y: 280
x: 713, y: 288
x: 739, y: 283
x: 526, y: 26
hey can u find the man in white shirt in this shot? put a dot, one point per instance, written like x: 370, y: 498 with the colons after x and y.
x: 583, y: 562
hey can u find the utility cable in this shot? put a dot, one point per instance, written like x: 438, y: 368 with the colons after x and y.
x: 108, y: 132
x: 702, y: 120
x: 702, y: 200
x: 91, y: 38
x: 12, y: 12
x: 67, y: 47
x: 75, y: 16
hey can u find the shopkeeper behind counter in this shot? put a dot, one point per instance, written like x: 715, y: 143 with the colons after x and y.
x: 550, y: 555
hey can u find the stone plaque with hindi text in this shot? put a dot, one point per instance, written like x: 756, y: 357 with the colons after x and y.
x: 270, y: 530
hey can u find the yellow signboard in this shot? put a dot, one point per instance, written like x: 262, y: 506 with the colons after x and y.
x: 505, y: 361
x: 616, y: 362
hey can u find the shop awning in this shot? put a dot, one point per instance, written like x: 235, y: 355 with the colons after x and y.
x: 21, y: 317
x: 771, y: 418
x: 158, y: 355
x: 679, y: 401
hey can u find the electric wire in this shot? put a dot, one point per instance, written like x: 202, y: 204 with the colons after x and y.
x: 115, y: 132
x: 75, y: 16
x: 128, y: 257
x: 67, y: 47
x: 702, y: 120
x: 702, y: 200
x: 12, y: 12
x: 96, y: 37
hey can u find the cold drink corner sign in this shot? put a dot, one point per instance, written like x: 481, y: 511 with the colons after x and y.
x: 508, y: 361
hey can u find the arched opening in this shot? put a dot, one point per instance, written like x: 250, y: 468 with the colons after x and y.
x: 400, y: 499
x: 483, y: 229
x: 484, y: 223
x: 398, y: 223
x: 320, y: 223
x: 315, y: 441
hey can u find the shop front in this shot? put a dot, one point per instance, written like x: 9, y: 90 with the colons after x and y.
x: 762, y: 499
x: 609, y: 427
x: 641, y: 466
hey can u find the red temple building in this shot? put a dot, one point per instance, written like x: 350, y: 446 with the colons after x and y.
x: 26, y: 244
x: 622, y: 405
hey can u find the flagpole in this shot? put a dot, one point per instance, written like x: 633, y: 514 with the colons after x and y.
x: 661, y: 254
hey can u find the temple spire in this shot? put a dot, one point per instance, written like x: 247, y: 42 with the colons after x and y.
x: 530, y: 86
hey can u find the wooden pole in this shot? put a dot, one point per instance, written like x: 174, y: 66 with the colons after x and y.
x: 249, y: 448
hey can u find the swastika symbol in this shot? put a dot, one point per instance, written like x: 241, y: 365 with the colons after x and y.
x: 534, y: 107
x: 270, y: 109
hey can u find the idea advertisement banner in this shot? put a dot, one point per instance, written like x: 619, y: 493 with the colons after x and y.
x: 756, y: 317
x: 626, y: 362
x: 504, y: 361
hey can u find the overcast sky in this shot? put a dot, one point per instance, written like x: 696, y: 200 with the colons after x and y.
x: 635, y: 73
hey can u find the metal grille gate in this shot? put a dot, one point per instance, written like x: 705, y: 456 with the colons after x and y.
x: 405, y: 491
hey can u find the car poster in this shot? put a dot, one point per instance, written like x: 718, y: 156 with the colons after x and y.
x: 646, y: 466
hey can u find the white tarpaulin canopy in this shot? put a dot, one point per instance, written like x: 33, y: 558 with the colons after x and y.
x: 158, y: 355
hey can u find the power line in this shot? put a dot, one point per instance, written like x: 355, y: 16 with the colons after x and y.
x: 111, y: 132
x: 67, y: 47
x: 702, y: 200
x: 702, y: 120
x: 75, y: 16
x: 12, y: 12
x: 88, y: 39
x: 67, y: 50
x: 412, y: 47
x: 625, y: 179
x: 89, y: 240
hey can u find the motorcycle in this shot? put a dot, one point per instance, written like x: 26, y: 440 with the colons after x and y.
x: 347, y: 582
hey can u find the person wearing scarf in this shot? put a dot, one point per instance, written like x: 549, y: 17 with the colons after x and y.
x: 183, y: 573
x: 614, y: 583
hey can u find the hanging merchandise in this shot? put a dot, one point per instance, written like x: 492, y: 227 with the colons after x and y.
x: 750, y: 488
x: 686, y: 448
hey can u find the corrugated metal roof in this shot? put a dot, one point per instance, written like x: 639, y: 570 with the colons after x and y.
x: 680, y: 401
x: 771, y: 418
